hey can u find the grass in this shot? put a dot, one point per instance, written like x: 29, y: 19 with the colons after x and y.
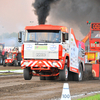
x: 9, y: 73
x: 11, y: 69
x: 95, y: 97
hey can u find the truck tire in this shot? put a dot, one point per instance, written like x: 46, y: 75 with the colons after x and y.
x: 1, y: 60
x: 63, y: 74
x: 27, y: 73
x: 79, y: 77
x: 15, y: 63
x: 4, y: 64
x: 19, y: 63
x: 19, y: 58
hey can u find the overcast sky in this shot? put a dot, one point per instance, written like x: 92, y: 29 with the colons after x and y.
x: 16, y: 14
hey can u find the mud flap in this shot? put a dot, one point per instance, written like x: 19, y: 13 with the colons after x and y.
x: 87, y: 74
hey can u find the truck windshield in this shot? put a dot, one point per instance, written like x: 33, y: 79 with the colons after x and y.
x: 95, y: 34
x: 49, y: 36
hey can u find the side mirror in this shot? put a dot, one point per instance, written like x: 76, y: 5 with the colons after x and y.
x: 20, y: 37
x: 66, y: 36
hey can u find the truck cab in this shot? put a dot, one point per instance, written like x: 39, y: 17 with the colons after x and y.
x: 46, y: 52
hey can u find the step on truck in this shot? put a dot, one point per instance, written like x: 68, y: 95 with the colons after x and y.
x: 52, y: 52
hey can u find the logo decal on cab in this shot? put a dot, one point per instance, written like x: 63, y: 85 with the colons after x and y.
x: 53, y: 47
x: 29, y: 47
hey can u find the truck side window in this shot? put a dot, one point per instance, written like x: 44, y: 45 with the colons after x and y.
x: 66, y: 36
x: 63, y: 37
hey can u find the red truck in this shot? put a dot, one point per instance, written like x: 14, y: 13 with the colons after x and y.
x: 51, y: 52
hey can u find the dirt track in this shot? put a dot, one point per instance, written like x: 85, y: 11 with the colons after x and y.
x: 16, y: 88
x: 9, y: 67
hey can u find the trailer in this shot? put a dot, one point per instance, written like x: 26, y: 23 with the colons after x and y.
x: 51, y: 52
x: 92, y: 51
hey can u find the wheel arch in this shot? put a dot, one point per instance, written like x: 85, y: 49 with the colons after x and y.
x: 82, y: 65
x: 67, y: 57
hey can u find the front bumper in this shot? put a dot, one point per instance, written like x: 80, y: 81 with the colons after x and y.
x: 42, y: 64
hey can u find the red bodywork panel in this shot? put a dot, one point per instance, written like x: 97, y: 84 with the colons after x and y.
x: 22, y: 51
x: 93, y: 46
x: 47, y: 27
x: 60, y: 51
x: 95, y: 70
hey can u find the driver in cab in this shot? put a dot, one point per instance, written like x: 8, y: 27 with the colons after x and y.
x: 56, y: 39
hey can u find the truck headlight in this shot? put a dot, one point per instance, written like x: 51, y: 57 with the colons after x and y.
x: 26, y: 63
x: 54, y: 63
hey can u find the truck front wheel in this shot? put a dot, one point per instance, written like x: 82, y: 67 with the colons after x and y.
x: 27, y: 73
x: 63, y: 74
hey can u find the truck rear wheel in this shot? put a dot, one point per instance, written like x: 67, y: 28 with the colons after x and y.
x: 79, y: 76
x: 27, y: 73
x: 63, y: 74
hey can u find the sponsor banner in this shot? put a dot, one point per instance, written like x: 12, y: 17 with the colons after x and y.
x: 40, y: 47
x: 73, y: 53
x: 74, y: 69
